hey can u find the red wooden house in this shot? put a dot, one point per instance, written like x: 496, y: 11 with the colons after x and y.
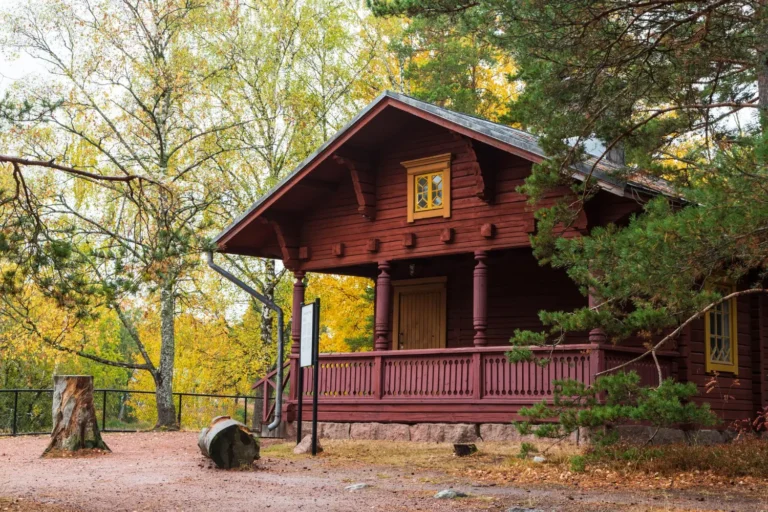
x: 423, y: 200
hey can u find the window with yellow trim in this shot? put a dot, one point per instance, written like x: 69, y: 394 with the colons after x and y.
x: 429, y: 187
x: 721, y: 336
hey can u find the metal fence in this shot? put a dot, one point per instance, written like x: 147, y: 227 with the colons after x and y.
x: 29, y: 411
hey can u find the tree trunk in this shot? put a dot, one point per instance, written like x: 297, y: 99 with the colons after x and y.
x: 269, y: 291
x: 163, y: 376
x: 228, y: 443
x: 75, y: 426
x: 762, y: 65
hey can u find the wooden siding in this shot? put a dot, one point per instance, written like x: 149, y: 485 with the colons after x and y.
x: 518, y: 288
x: 338, y: 221
x: 734, y: 396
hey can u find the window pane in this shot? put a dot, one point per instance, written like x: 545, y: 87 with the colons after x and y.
x: 422, y: 192
x: 720, y: 342
x: 437, y: 190
x: 725, y: 350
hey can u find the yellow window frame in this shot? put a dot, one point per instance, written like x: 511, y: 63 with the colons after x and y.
x: 431, y: 166
x: 731, y: 305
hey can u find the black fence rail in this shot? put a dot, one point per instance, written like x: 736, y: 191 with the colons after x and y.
x: 29, y: 411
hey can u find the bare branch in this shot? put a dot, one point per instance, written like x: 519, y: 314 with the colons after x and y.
x: 77, y: 172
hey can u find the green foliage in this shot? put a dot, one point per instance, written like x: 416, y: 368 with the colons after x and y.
x: 578, y: 463
x: 444, y: 62
x: 613, y: 399
x: 526, y: 449
x: 674, y: 88
x: 363, y: 342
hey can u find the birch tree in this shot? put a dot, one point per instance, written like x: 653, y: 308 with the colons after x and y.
x: 131, y: 80
x: 299, y: 69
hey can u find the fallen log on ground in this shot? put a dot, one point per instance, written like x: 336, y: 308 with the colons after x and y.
x: 75, y: 426
x: 228, y: 443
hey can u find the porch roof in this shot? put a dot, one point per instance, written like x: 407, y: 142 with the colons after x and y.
x: 506, y: 138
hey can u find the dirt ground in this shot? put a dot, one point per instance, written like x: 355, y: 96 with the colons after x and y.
x: 165, y: 471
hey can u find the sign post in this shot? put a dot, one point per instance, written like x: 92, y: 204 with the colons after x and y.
x: 308, y: 356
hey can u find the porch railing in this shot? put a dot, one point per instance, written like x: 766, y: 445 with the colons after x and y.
x: 471, y: 376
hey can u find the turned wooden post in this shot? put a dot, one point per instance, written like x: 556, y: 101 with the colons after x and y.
x: 596, y: 335
x: 480, y: 299
x: 383, y: 294
x: 298, y: 300
x: 75, y: 426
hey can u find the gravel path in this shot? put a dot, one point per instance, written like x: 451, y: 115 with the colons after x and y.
x: 165, y: 471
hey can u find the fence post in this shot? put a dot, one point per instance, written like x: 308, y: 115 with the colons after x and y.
x: 178, y: 417
x: 15, y: 407
x: 245, y: 417
x: 104, y: 411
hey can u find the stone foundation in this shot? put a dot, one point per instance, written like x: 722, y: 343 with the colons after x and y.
x: 460, y: 433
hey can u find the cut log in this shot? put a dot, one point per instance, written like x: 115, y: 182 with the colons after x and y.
x: 228, y: 443
x: 75, y: 426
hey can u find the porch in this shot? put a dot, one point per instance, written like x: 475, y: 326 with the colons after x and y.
x: 463, y: 385
x: 441, y: 333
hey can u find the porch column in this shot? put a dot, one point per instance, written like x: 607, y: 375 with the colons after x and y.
x: 596, y: 335
x: 480, y: 299
x: 298, y: 299
x: 383, y: 294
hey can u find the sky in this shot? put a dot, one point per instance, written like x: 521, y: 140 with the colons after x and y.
x: 15, y: 68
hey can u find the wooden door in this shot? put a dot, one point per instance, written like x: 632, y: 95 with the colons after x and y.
x: 419, y: 313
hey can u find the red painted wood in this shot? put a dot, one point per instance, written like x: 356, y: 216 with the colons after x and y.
x: 298, y: 299
x: 452, y: 385
x: 739, y: 387
x: 480, y: 299
x: 383, y: 295
x: 364, y: 183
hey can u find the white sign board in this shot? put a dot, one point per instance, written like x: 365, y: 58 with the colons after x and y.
x: 307, y: 324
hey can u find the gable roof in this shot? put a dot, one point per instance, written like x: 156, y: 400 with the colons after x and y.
x: 505, y: 137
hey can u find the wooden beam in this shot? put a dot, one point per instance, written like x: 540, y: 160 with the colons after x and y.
x: 363, y: 181
x: 287, y: 234
x: 488, y: 230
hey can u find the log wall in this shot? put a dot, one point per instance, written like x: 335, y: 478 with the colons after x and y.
x: 337, y: 235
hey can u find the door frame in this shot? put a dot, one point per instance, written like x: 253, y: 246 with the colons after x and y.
x: 427, y: 283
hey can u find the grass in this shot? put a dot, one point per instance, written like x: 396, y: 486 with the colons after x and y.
x: 746, y: 458
x: 742, y: 464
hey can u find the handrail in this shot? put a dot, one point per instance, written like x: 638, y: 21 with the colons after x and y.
x: 491, y: 349
x: 271, y: 373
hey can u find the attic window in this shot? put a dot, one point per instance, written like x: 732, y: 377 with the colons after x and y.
x: 721, y: 335
x: 429, y: 187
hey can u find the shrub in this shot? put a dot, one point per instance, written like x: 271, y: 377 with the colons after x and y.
x: 526, y: 449
x: 578, y: 463
x: 613, y: 399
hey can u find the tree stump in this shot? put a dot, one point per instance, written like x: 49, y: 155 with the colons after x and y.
x: 75, y: 426
x: 228, y: 443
